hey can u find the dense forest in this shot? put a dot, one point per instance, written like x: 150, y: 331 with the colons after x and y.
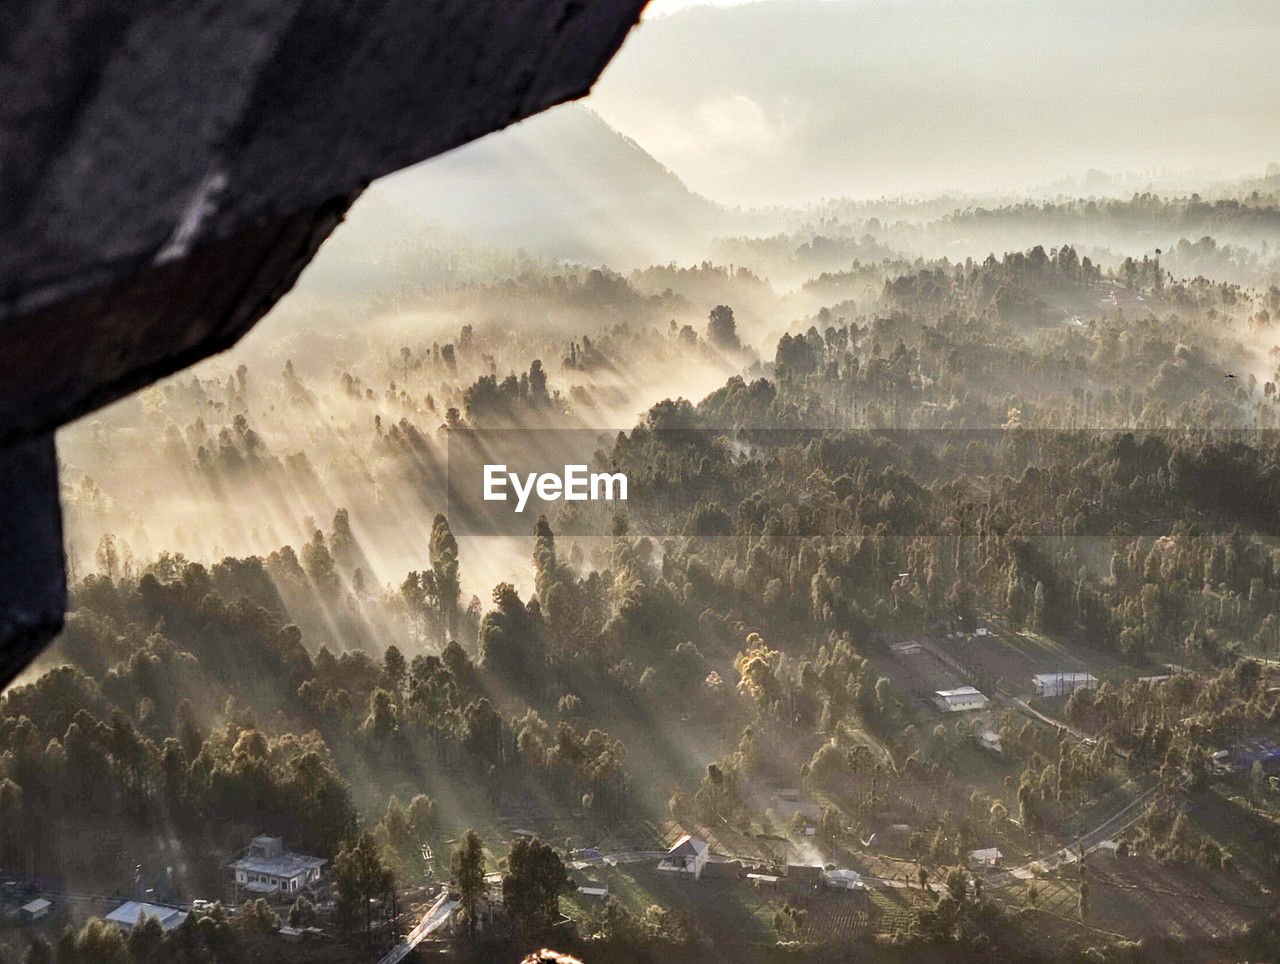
x: 857, y: 477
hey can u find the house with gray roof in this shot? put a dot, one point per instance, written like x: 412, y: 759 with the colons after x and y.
x: 266, y: 869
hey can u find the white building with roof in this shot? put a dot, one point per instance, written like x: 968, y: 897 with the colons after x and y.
x: 35, y: 910
x: 1063, y: 684
x: 688, y: 855
x: 267, y: 869
x: 128, y: 914
x: 844, y: 879
x: 960, y: 699
x: 985, y: 858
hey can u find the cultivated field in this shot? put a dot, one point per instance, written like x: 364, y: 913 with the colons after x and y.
x: 1140, y: 897
x: 920, y: 673
x: 726, y: 911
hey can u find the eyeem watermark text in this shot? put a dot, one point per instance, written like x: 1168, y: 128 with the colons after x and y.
x: 575, y: 484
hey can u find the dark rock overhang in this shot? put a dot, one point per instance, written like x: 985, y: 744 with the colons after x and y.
x: 167, y: 170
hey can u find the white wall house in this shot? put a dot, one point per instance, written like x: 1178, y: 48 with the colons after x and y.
x: 267, y: 869
x: 1063, y: 684
x: 985, y: 858
x: 958, y: 700
x: 844, y: 879
x: 688, y: 855
x: 37, y: 909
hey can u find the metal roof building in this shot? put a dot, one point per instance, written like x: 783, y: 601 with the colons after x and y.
x: 960, y: 699
x: 128, y: 914
x: 1063, y: 684
x: 1263, y: 750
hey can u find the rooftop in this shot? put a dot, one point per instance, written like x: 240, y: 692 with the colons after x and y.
x: 844, y: 876
x: 266, y: 855
x: 958, y: 693
x: 688, y: 845
x: 127, y: 914
x: 1262, y: 748
x: 1064, y: 676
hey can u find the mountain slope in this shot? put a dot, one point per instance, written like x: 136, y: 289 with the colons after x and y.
x: 564, y: 184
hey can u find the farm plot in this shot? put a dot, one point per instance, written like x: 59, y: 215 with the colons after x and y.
x: 726, y: 911
x: 1140, y: 897
x: 1011, y: 660
x: 1055, y: 896
x: 891, y: 909
x: 841, y: 918
x: 920, y: 673
x: 993, y: 658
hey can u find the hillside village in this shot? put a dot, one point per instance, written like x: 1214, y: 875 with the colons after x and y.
x: 940, y: 621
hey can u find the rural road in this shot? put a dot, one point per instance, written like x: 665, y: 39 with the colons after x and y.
x: 431, y: 920
x: 1087, y: 842
x: 1024, y: 707
x: 621, y: 857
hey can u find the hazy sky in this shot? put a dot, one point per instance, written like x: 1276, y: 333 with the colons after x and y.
x: 789, y: 100
x: 658, y: 8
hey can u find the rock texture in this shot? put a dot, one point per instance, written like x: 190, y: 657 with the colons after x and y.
x: 168, y: 169
x: 33, y: 591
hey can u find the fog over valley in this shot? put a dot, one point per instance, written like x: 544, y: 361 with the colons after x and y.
x: 937, y: 343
